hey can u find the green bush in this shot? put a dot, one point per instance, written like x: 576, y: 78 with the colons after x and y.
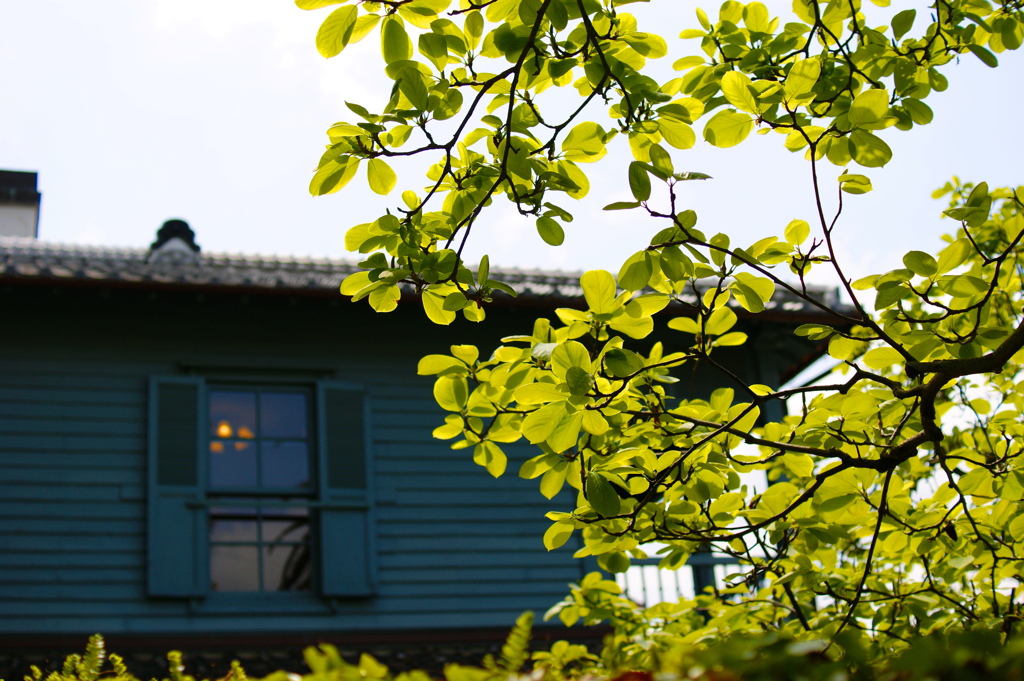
x: 959, y: 656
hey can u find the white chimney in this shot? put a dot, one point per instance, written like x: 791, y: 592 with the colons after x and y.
x: 19, y: 204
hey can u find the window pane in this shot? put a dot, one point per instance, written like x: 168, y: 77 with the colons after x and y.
x: 229, y: 524
x: 284, y: 464
x: 234, y: 568
x: 283, y: 414
x: 232, y: 414
x: 233, y: 464
x: 286, y: 567
x: 285, y: 525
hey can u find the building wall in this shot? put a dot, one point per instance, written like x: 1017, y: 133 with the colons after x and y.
x: 454, y: 547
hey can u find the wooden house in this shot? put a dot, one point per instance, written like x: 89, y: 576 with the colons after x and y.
x: 219, y: 452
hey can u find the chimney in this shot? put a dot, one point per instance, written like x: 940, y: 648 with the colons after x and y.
x: 19, y: 204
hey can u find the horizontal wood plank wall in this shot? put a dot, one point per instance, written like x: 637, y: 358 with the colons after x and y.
x: 455, y: 548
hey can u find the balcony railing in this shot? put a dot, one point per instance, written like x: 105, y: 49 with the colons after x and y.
x: 645, y: 583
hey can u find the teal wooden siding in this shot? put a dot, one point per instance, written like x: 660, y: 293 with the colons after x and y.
x: 452, y: 546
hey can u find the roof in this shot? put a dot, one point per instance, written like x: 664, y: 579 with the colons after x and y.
x: 26, y: 259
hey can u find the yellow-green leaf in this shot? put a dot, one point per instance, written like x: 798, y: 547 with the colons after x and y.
x: 381, y: 177
x: 869, y: 107
x: 728, y: 128
x: 557, y: 535
x: 336, y: 31
x: 880, y: 358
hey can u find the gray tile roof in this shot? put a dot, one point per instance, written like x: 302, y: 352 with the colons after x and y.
x: 30, y: 259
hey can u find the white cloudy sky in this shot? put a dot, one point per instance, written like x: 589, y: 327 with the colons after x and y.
x: 214, y: 111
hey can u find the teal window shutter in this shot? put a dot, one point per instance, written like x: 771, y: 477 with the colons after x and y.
x: 347, y: 556
x: 176, y: 535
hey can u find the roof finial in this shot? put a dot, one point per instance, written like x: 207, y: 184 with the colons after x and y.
x: 175, y: 241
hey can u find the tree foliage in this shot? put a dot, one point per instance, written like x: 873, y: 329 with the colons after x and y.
x: 896, y: 501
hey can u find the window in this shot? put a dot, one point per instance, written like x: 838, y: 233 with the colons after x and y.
x: 258, y: 488
x: 260, y: 477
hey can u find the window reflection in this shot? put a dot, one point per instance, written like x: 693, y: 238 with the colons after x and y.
x: 259, y: 439
x: 259, y: 549
x: 260, y: 446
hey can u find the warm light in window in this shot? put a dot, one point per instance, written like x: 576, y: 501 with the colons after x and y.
x: 217, y: 447
x: 239, y: 446
x: 223, y: 429
x: 244, y: 432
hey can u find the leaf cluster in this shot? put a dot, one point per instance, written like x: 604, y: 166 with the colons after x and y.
x: 896, y: 484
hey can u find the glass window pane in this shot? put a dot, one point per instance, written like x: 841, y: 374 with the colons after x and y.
x: 286, y: 567
x: 285, y: 525
x: 284, y: 464
x: 233, y: 464
x: 233, y: 413
x: 283, y: 414
x: 229, y: 524
x: 234, y: 568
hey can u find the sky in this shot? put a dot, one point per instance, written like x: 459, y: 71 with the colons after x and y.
x: 215, y: 111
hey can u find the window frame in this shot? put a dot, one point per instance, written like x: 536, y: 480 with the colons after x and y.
x: 337, y: 575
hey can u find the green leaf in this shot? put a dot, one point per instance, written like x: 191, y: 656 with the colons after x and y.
x: 434, y: 47
x: 454, y: 301
x: 954, y: 255
x: 490, y: 456
x: 539, y: 393
x: 433, y: 306
x: 439, y: 364
x: 737, y: 90
x: 986, y: 57
x: 601, y: 495
x: 381, y: 177
x: 919, y: 112
x: 550, y: 231
x: 451, y: 392
x: 557, y: 535
x: 719, y: 321
x: 566, y: 432
x: 869, y: 150
x: 854, y: 184
x: 317, y: 4
x: 385, y: 298
x: 620, y: 363
x: 395, y: 44
x: 538, y: 425
x: 584, y: 143
x: 800, y: 81
x: 880, y: 358
x: 677, y: 133
x: 567, y: 355
x: 622, y: 205
x: 869, y: 107
x: 636, y: 271
x: 336, y: 31
x: 920, y: 263
x: 903, y: 22
x: 728, y: 128
x: 332, y: 176
x: 473, y: 28
x: 639, y: 181
x: 413, y: 84
x: 797, y: 232
x: 579, y: 381
x: 599, y: 290
x: 730, y: 339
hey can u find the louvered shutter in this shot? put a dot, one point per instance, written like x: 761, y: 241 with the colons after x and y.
x: 176, y: 536
x: 346, y: 527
